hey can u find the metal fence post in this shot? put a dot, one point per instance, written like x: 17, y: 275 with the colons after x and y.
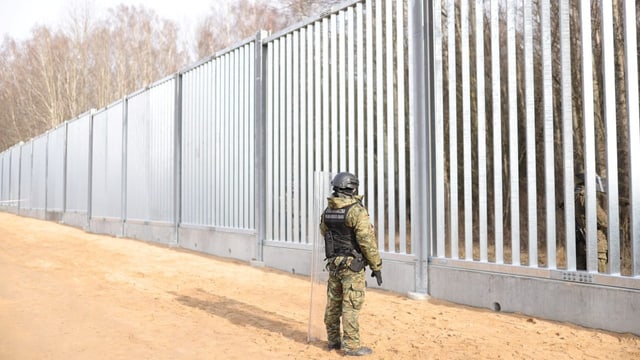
x: 177, y: 158
x: 260, y: 144
x: 422, y: 113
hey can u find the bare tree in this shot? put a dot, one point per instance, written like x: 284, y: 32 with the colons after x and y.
x: 57, y: 74
x: 237, y: 21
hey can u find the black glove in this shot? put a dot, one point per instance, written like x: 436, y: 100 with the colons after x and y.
x: 378, y: 275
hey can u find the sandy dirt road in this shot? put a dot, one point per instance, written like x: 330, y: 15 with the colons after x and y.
x: 67, y: 294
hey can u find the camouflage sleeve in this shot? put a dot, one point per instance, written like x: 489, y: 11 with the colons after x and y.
x: 358, y: 219
x: 323, y: 226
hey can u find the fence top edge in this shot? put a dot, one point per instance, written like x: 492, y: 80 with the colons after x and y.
x: 217, y: 54
x: 332, y: 10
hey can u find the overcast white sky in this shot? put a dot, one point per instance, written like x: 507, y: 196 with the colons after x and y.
x: 17, y: 17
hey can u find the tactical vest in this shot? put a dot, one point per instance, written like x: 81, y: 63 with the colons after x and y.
x: 339, y: 239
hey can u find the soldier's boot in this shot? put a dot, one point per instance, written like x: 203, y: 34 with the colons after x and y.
x: 334, y: 345
x: 358, y: 352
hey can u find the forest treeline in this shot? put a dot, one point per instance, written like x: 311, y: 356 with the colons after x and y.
x: 91, y: 60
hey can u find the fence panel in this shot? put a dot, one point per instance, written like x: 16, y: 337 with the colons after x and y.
x: 14, y: 181
x: 77, y: 175
x: 322, y: 102
x: 150, y: 153
x: 39, y: 174
x: 56, y: 153
x: 218, y: 141
x: 26, y: 157
x: 5, y: 181
x: 107, y: 163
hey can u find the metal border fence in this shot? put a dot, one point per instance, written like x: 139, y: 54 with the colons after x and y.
x: 461, y: 127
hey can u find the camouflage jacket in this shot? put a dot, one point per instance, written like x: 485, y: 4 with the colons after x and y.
x: 358, y: 219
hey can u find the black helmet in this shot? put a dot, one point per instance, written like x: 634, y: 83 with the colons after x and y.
x: 345, y: 183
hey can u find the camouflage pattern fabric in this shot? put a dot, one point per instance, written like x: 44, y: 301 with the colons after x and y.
x: 346, y: 288
x: 358, y: 219
x: 581, y: 223
x: 345, y: 297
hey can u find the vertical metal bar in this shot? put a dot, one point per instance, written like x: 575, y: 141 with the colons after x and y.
x: 239, y: 144
x: 223, y: 119
x: 188, y: 150
x: 246, y: 139
x: 423, y: 23
x: 219, y: 150
x: 287, y: 185
x: 371, y: 201
x: 304, y: 120
x: 351, y: 107
x: 310, y: 96
x: 295, y: 191
x: 235, y: 137
x: 319, y: 30
x: 496, y: 87
x: 359, y: 74
x: 220, y: 118
x: 268, y: 77
x: 213, y: 137
x: 229, y: 122
x: 124, y: 168
x: 205, y: 180
x: 333, y: 95
x: 260, y: 151
x: 64, y: 169
x: 203, y: 185
x: 326, y: 113
x: 513, y: 134
x: 222, y: 142
x: 453, y: 129
x: 197, y: 192
x: 341, y: 94
x: 402, y: 175
x: 252, y: 159
x: 277, y: 140
x: 633, y: 117
x: 20, y: 199
x: 466, y: 129
x: 482, y: 135
x: 531, y: 135
x: 380, y: 124
x: 317, y: 95
x: 184, y: 166
x: 438, y: 104
x: 609, y: 104
x: 177, y: 157
x: 89, y: 170
x: 283, y: 197
x: 567, y: 133
x: 391, y: 126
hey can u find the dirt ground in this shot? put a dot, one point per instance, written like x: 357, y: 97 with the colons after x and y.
x: 68, y: 294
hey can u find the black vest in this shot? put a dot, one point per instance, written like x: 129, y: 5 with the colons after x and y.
x: 339, y: 239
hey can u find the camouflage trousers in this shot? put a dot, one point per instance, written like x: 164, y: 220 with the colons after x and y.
x: 345, y: 297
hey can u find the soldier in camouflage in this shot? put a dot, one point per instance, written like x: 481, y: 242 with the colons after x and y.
x: 581, y: 225
x: 350, y: 245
